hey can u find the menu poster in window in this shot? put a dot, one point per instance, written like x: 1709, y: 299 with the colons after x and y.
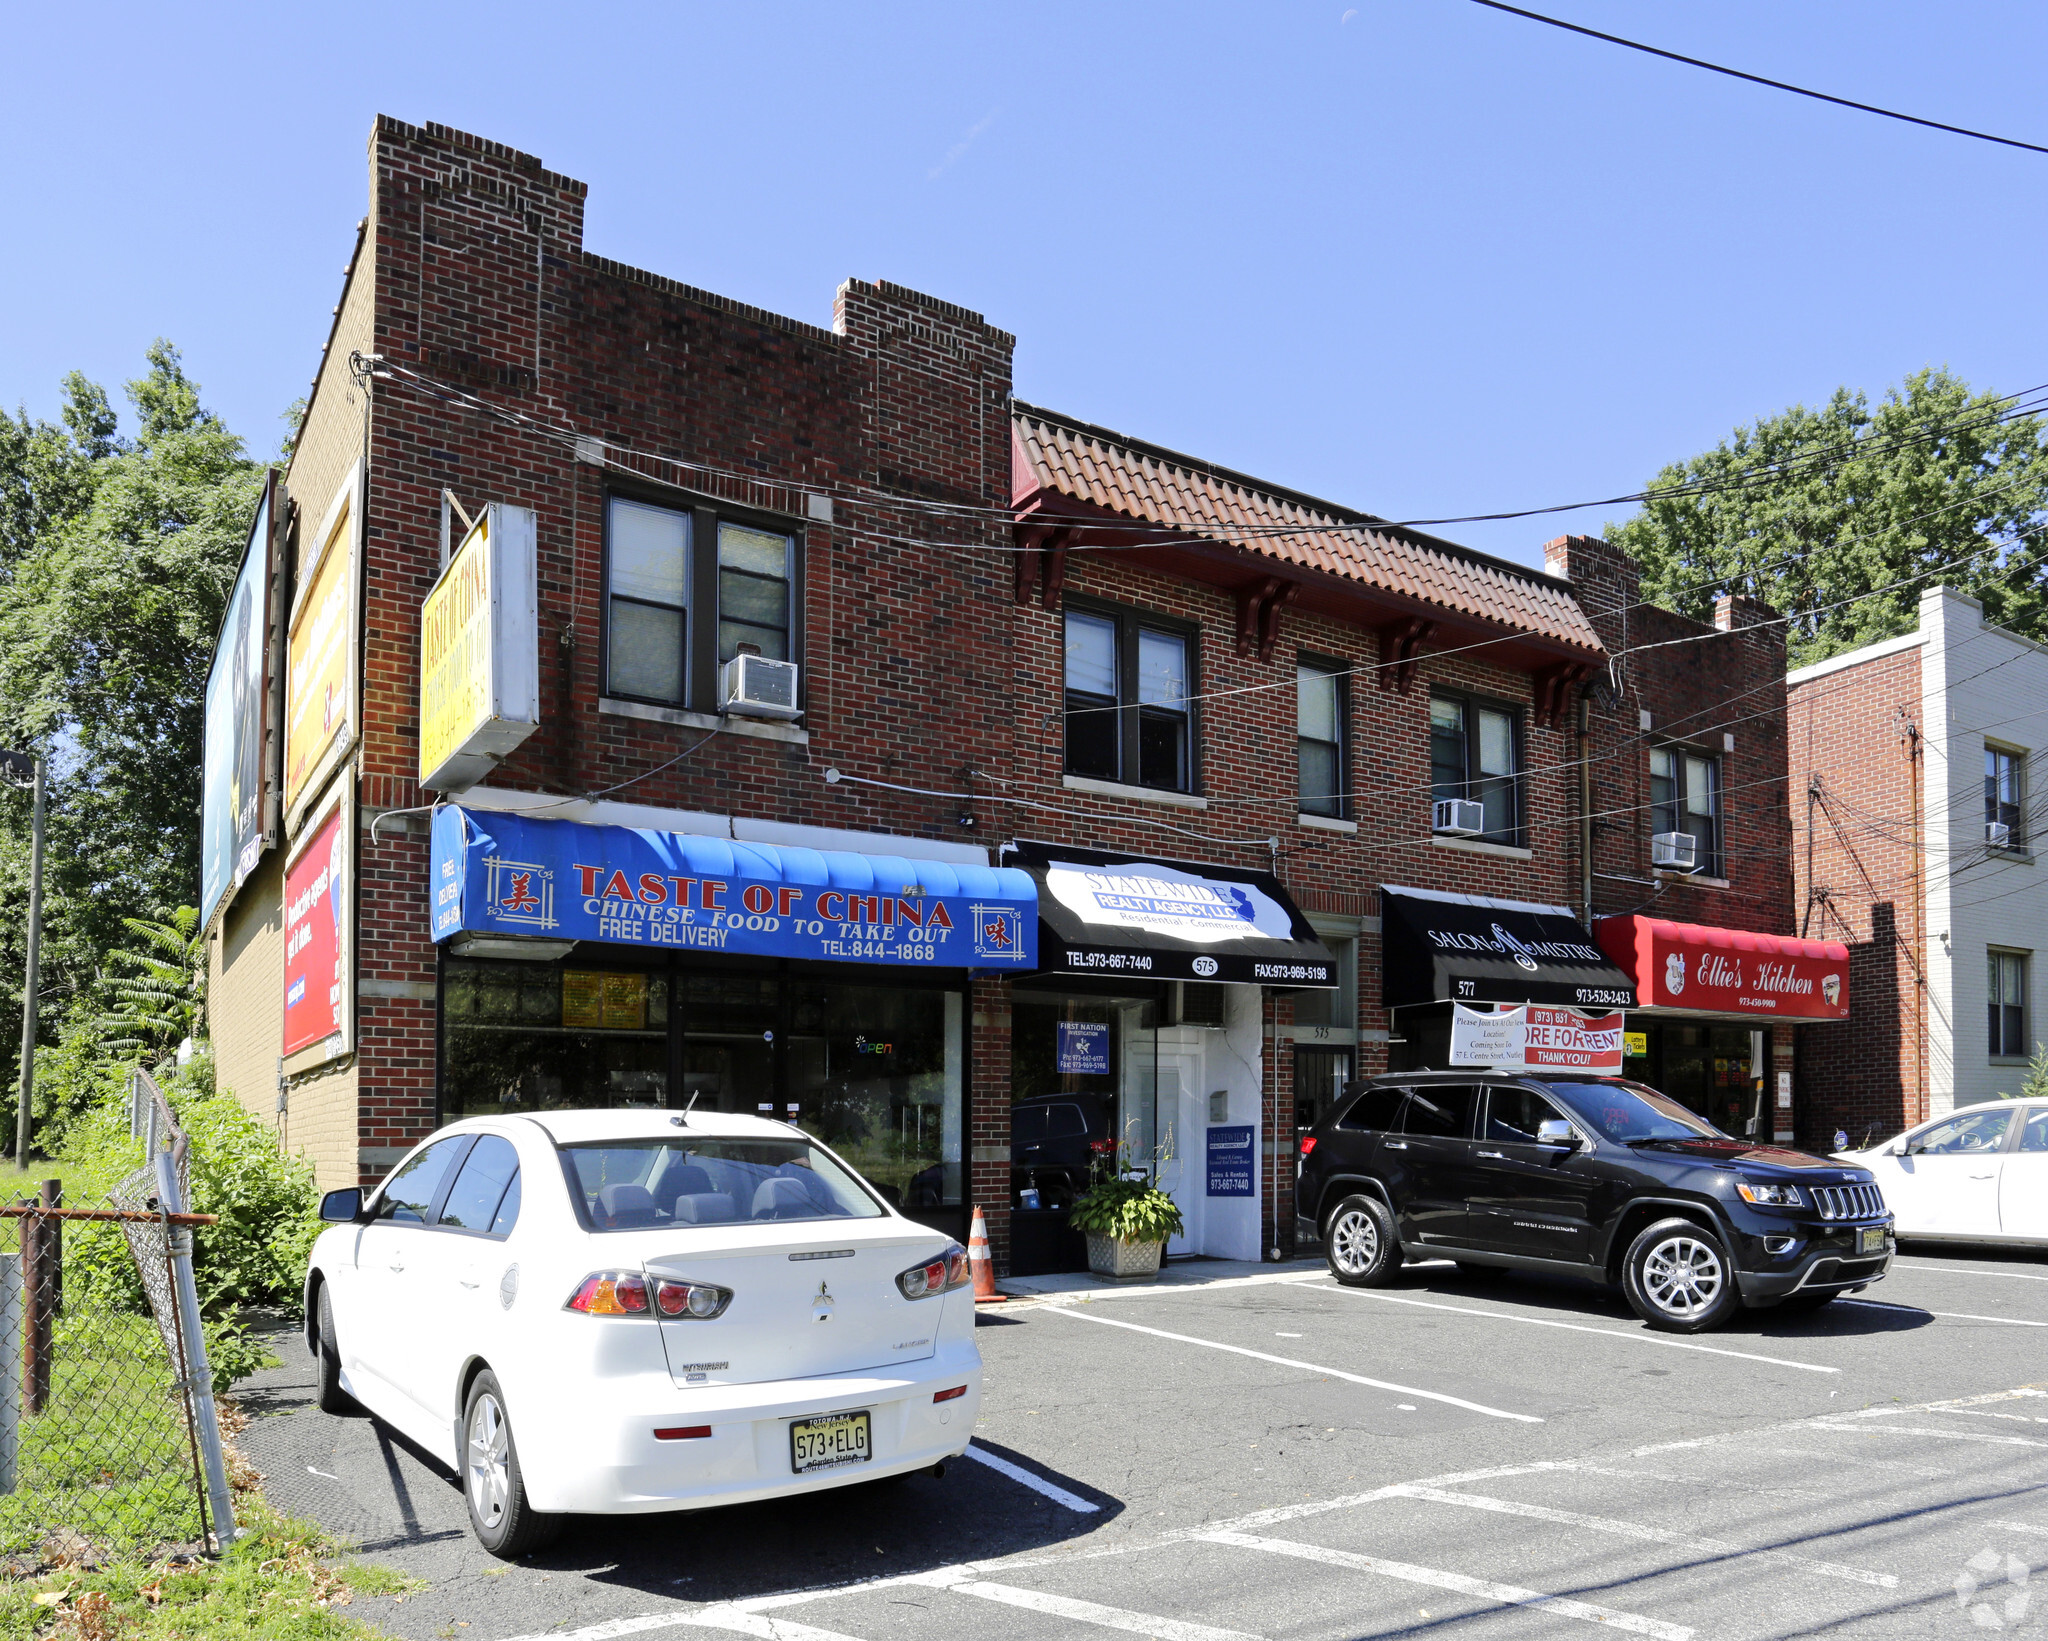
x: 318, y: 883
x: 320, y: 654
x: 1083, y: 1048
x: 598, y: 1000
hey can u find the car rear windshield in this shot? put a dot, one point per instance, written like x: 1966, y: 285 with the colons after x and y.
x: 632, y: 1185
x: 1626, y: 1112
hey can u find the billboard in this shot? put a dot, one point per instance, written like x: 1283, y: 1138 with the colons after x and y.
x: 321, y: 654
x: 319, y: 882
x: 238, y: 786
x: 480, y: 653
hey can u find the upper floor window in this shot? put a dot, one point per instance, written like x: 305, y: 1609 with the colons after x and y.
x: 685, y: 591
x: 2005, y: 797
x: 1475, y: 752
x: 1685, y: 796
x: 1128, y: 679
x: 2008, y: 996
x: 1320, y: 740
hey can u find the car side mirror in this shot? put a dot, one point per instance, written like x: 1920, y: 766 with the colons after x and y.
x: 342, y: 1207
x: 1555, y: 1131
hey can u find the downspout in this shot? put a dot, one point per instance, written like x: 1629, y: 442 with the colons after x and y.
x: 1586, y: 804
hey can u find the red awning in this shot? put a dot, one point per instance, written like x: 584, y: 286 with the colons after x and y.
x: 1729, y: 972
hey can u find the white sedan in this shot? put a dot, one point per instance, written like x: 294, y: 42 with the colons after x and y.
x: 624, y: 1311
x: 1979, y: 1174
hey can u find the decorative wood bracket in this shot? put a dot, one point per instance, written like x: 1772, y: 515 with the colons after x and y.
x: 1554, y: 686
x: 1400, y: 649
x: 1258, y: 614
x: 1041, y: 548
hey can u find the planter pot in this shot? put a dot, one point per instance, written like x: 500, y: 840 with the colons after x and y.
x: 1119, y: 1260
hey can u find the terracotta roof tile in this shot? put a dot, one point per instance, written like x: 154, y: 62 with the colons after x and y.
x: 1107, y: 471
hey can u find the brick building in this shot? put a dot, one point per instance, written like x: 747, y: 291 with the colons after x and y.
x: 1910, y: 767
x: 1049, y: 681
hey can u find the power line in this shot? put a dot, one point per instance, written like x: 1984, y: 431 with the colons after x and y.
x: 1758, y: 79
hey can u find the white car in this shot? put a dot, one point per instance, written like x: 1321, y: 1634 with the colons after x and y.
x: 624, y: 1311
x: 1977, y: 1175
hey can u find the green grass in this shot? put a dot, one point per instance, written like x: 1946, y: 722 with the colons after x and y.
x: 284, y: 1582
x: 109, y: 1457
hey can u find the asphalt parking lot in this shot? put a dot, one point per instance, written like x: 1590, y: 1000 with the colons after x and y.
x: 1275, y: 1456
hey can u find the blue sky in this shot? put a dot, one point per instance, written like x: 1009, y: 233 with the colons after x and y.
x: 1414, y: 255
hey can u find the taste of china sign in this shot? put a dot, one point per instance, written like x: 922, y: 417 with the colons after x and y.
x: 1729, y: 971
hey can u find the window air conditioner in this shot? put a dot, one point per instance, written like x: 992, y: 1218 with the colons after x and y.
x: 1458, y: 817
x: 1675, y: 851
x: 1998, y: 834
x: 754, y: 686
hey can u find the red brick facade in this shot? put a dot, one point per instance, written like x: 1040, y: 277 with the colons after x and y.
x: 1856, y: 754
x: 922, y: 665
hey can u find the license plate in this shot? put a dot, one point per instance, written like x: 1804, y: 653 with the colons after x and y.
x: 1870, y: 1240
x: 829, y: 1443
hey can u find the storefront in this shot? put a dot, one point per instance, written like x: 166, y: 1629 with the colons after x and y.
x: 601, y: 966
x: 1440, y: 950
x: 1146, y: 1023
x: 1709, y: 1000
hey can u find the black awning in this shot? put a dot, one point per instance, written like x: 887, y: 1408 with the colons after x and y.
x: 1138, y: 916
x: 1438, y: 948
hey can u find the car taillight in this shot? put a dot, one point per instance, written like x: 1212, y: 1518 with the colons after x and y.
x: 610, y: 1293
x: 682, y: 1433
x: 949, y: 1270
x: 949, y: 1395
x: 1308, y: 1144
x: 692, y: 1301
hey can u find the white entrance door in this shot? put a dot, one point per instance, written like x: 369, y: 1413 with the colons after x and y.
x: 1164, y: 1074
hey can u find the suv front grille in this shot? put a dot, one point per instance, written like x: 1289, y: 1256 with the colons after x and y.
x: 1848, y: 1201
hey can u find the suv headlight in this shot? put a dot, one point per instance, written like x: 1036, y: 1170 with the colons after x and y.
x: 1766, y: 1195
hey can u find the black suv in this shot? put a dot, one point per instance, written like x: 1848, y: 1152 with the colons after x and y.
x: 1590, y: 1176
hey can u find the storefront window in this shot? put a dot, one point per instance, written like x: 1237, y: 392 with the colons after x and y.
x: 876, y: 1071
x: 550, y: 1037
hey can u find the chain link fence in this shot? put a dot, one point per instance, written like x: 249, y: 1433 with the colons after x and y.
x: 109, y: 1439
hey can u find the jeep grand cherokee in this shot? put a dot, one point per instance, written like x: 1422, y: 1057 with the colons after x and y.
x: 1591, y: 1176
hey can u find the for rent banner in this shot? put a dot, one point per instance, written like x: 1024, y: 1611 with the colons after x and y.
x: 316, y: 928
x: 1537, y: 1039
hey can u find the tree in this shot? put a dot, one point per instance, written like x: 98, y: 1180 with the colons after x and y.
x: 158, y: 987
x: 117, y: 556
x: 1820, y: 513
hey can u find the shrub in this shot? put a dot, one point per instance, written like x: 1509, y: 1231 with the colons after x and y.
x: 1123, y: 1204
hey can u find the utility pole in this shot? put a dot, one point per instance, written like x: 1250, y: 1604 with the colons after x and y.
x: 32, y: 767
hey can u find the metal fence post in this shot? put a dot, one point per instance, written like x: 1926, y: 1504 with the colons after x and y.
x: 11, y: 1319
x: 198, y: 1372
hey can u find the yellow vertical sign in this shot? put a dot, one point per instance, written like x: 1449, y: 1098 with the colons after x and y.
x: 457, y: 688
x: 320, y: 654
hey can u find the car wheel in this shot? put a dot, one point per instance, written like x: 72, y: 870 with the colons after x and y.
x: 504, y: 1522
x: 1360, y: 1244
x: 1679, y: 1279
x: 327, y: 1358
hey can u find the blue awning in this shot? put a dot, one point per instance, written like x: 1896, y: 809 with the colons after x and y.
x: 498, y: 872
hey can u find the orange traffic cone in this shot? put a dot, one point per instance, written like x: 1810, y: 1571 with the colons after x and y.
x: 979, y: 1263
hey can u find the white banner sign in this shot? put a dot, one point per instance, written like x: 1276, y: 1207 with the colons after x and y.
x: 1536, y: 1039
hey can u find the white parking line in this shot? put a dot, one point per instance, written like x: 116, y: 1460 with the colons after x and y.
x: 1311, y: 1367
x: 741, y: 1622
x: 1572, y: 1327
x: 1653, y: 1535
x: 1953, y: 1316
x: 1964, y: 1270
x: 1926, y: 1430
x: 1485, y: 1589
x: 1092, y: 1612
x: 1037, y: 1484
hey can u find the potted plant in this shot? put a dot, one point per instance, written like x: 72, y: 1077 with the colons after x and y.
x: 1125, y: 1217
